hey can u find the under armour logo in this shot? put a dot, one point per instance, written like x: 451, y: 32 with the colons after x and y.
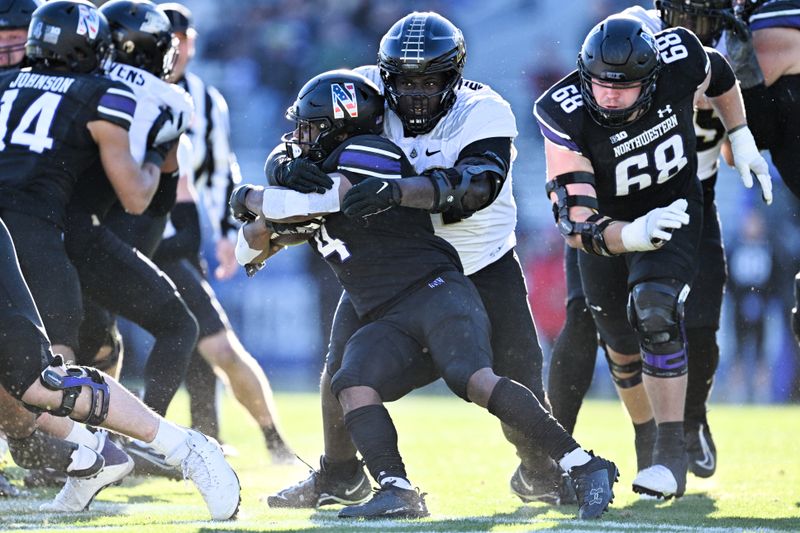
x: 596, y: 499
x: 665, y: 111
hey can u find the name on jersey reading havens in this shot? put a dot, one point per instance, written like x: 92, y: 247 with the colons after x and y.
x: 647, y: 136
x: 29, y: 80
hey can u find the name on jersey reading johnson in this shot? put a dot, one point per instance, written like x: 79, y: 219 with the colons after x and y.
x: 29, y: 80
x: 647, y: 136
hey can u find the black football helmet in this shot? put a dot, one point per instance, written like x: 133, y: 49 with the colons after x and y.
x: 69, y: 33
x: 706, y: 18
x: 336, y: 102
x: 15, y: 15
x: 422, y: 43
x: 142, y: 35
x: 618, y: 51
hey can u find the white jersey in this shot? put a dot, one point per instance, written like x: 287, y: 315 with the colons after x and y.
x: 710, y: 139
x: 151, y: 94
x: 478, y: 113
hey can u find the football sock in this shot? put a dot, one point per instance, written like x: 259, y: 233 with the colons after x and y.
x: 341, y: 469
x: 572, y: 364
x: 170, y: 441
x: 40, y: 450
x: 375, y: 436
x: 201, y: 384
x: 644, y: 440
x: 273, y: 438
x: 516, y: 406
x: 574, y: 458
x: 399, y: 482
x: 80, y: 434
x: 670, y: 442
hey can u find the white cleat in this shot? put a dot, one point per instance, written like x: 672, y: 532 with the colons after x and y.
x: 205, y: 465
x: 657, y: 481
x: 77, y: 493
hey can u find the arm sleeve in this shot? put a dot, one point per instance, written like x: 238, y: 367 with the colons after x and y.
x: 722, y: 77
x: 762, y: 115
x: 185, y: 243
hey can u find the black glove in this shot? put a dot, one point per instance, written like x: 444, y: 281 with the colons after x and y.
x: 371, y: 196
x: 238, y: 205
x: 302, y: 175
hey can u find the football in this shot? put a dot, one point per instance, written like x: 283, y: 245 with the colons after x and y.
x: 293, y: 233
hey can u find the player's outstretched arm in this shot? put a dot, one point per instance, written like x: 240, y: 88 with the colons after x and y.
x: 570, y: 186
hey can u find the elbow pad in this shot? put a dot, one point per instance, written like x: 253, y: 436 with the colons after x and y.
x: 451, y: 185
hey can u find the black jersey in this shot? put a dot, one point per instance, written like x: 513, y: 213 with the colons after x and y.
x: 380, y: 258
x: 45, y: 146
x: 647, y: 163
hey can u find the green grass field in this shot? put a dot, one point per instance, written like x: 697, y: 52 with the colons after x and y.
x: 456, y: 453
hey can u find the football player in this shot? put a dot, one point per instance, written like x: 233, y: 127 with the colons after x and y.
x: 573, y: 358
x: 419, y: 316
x: 763, y: 51
x: 621, y: 147
x: 214, y: 168
x: 458, y: 134
x: 77, y: 117
x: 113, y: 274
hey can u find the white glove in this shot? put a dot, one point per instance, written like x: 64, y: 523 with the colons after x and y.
x: 748, y: 161
x: 653, y: 230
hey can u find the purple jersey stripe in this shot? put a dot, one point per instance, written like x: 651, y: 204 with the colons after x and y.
x: 561, y: 141
x: 118, y: 103
x: 369, y: 161
x: 792, y: 21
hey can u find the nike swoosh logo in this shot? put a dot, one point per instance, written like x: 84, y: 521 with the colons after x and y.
x: 708, y: 458
x: 428, y: 153
x: 385, y: 184
x: 350, y: 492
x: 527, y: 485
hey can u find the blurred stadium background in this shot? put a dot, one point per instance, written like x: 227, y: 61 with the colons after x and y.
x: 259, y: 52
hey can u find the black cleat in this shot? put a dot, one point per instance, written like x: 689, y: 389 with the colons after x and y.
x: 389, y: 502
x: 594, y: 483
x: 555, y: 488
x: 701, y: 449
x: 321, y: 488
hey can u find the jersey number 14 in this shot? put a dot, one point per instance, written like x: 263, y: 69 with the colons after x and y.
x: 42, y: 111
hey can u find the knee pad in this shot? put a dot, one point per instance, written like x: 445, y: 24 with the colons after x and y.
x: 71, y: 385
x: 655, y: 310
x: 634, y: 369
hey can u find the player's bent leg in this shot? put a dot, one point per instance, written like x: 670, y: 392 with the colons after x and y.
x: 375, y: 436
x: 109, y: 404
x: 703, y: 362
x: 656, y: 312
x: 572, y: 364
x: 593, y: 477
x: 201, y: 384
